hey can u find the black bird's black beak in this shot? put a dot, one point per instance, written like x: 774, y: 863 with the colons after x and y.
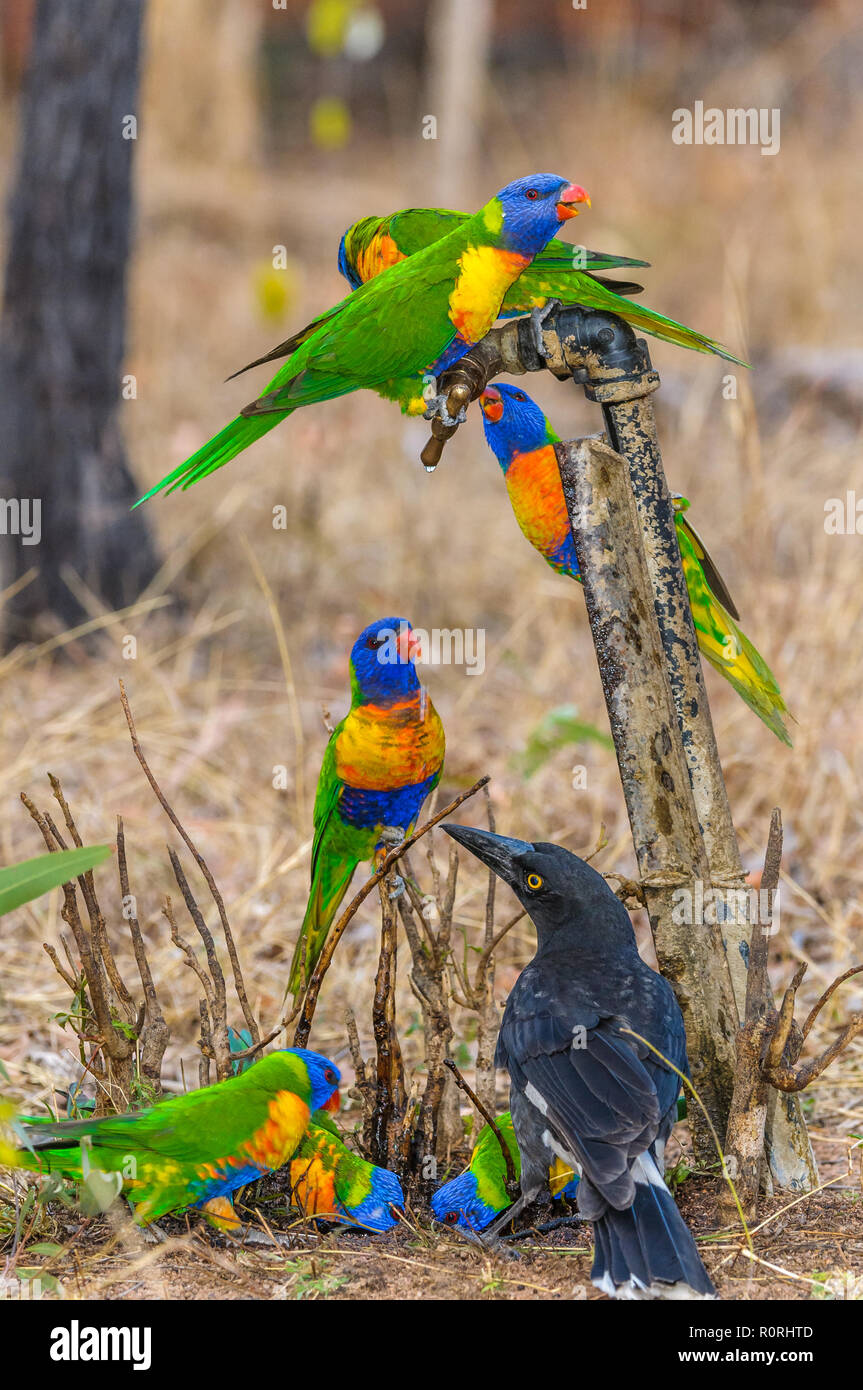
x: 499, y: 852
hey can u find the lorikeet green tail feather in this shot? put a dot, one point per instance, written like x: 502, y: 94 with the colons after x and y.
x: 374, y: 243
x: 218, y: 451
x: 331, y: 877
x: 522, y: 440
x: 726, y: 647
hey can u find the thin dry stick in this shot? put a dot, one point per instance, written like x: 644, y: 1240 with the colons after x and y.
x: 239, y: 983
x: 390, y: 1097
x: 819, y: 1004
x: 511, y: 1179
x: 488, y: 1018
x: 153, y: 1036
x: 301, y: 1034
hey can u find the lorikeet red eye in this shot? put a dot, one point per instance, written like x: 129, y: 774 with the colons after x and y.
x: 330, y: 1076
x: 374, y: 642
x: 451, y: 1218
x: 519, y: 396
x: 531, y: 193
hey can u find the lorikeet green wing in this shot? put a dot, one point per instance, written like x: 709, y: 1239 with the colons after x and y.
x: 190, y: 1149
x: 522, y: 440
x: 381, y: 762
x: 560, y: 271
x: 410, y: 322
x: 375, y: 243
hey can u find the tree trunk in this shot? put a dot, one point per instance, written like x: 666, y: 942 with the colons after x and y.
x: 64, y: 477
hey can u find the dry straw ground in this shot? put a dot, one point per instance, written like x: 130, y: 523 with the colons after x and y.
x: 224, y: 687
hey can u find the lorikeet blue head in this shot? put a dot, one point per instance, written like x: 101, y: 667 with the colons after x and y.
x: 513, y: 423
x: 324, y: 1077
x: 458, y: 1203
x: 345, y: 266
x: 382, y: 662
x: 375, y: 1211
x: 533, y: 209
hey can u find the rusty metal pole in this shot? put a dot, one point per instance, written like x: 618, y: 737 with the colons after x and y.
x: 601, y: 352
x: 641, y: 712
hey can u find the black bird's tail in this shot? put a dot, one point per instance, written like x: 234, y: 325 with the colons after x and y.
x: 646, y: 1250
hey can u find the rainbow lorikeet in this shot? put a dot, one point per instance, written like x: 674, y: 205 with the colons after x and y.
x: 329, y: 1179
x: 474, y: 1198
x: 522, y: 440
x: 405, y: 326
x: 194, y: 1149
x: 380, y: 764
x: 560, y: 271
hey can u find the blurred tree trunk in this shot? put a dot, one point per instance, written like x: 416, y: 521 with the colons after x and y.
x: 63, y: 325
x: 459, y: 42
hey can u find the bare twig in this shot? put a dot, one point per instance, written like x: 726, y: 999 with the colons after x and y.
x: 511, y: 1179
x: 152, y: 1031
x: 239, y: 983
x: 387, y: 1146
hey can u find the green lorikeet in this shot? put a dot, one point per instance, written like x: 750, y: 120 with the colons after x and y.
x: 474, y: 1198
x: 560, y: 271
x: 328, y: 1179
x: 195, y: 1149
x: 380, y: 764
x: 522, y: 440
x: 398, y: 332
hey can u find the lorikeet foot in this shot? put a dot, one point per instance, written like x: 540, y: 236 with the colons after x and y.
x: 538, y: 317
x: 545, y: 1226
x: 392, y: 835
x: 436, y: 407
x: 399, y: 888
x: 220, y: 1213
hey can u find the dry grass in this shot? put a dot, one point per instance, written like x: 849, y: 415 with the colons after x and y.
x: 756, y: 250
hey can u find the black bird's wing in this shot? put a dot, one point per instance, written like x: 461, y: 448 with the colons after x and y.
x: 593, y: 1091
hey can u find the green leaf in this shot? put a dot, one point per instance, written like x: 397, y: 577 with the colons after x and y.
x: 44, y: 1247
x: 20, y: 883
x: 99, y: 1190
x: 559, y: 728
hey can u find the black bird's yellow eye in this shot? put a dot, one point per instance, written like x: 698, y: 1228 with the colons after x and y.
x: 534, y: 882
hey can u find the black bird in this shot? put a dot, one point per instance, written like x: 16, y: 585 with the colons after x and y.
x: 580, y: 1083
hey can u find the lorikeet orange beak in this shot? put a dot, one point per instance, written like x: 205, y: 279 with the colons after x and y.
x: 569, y: 197
x: 408, y: 644
x: 333, y: 1103
x: 491, y: 404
